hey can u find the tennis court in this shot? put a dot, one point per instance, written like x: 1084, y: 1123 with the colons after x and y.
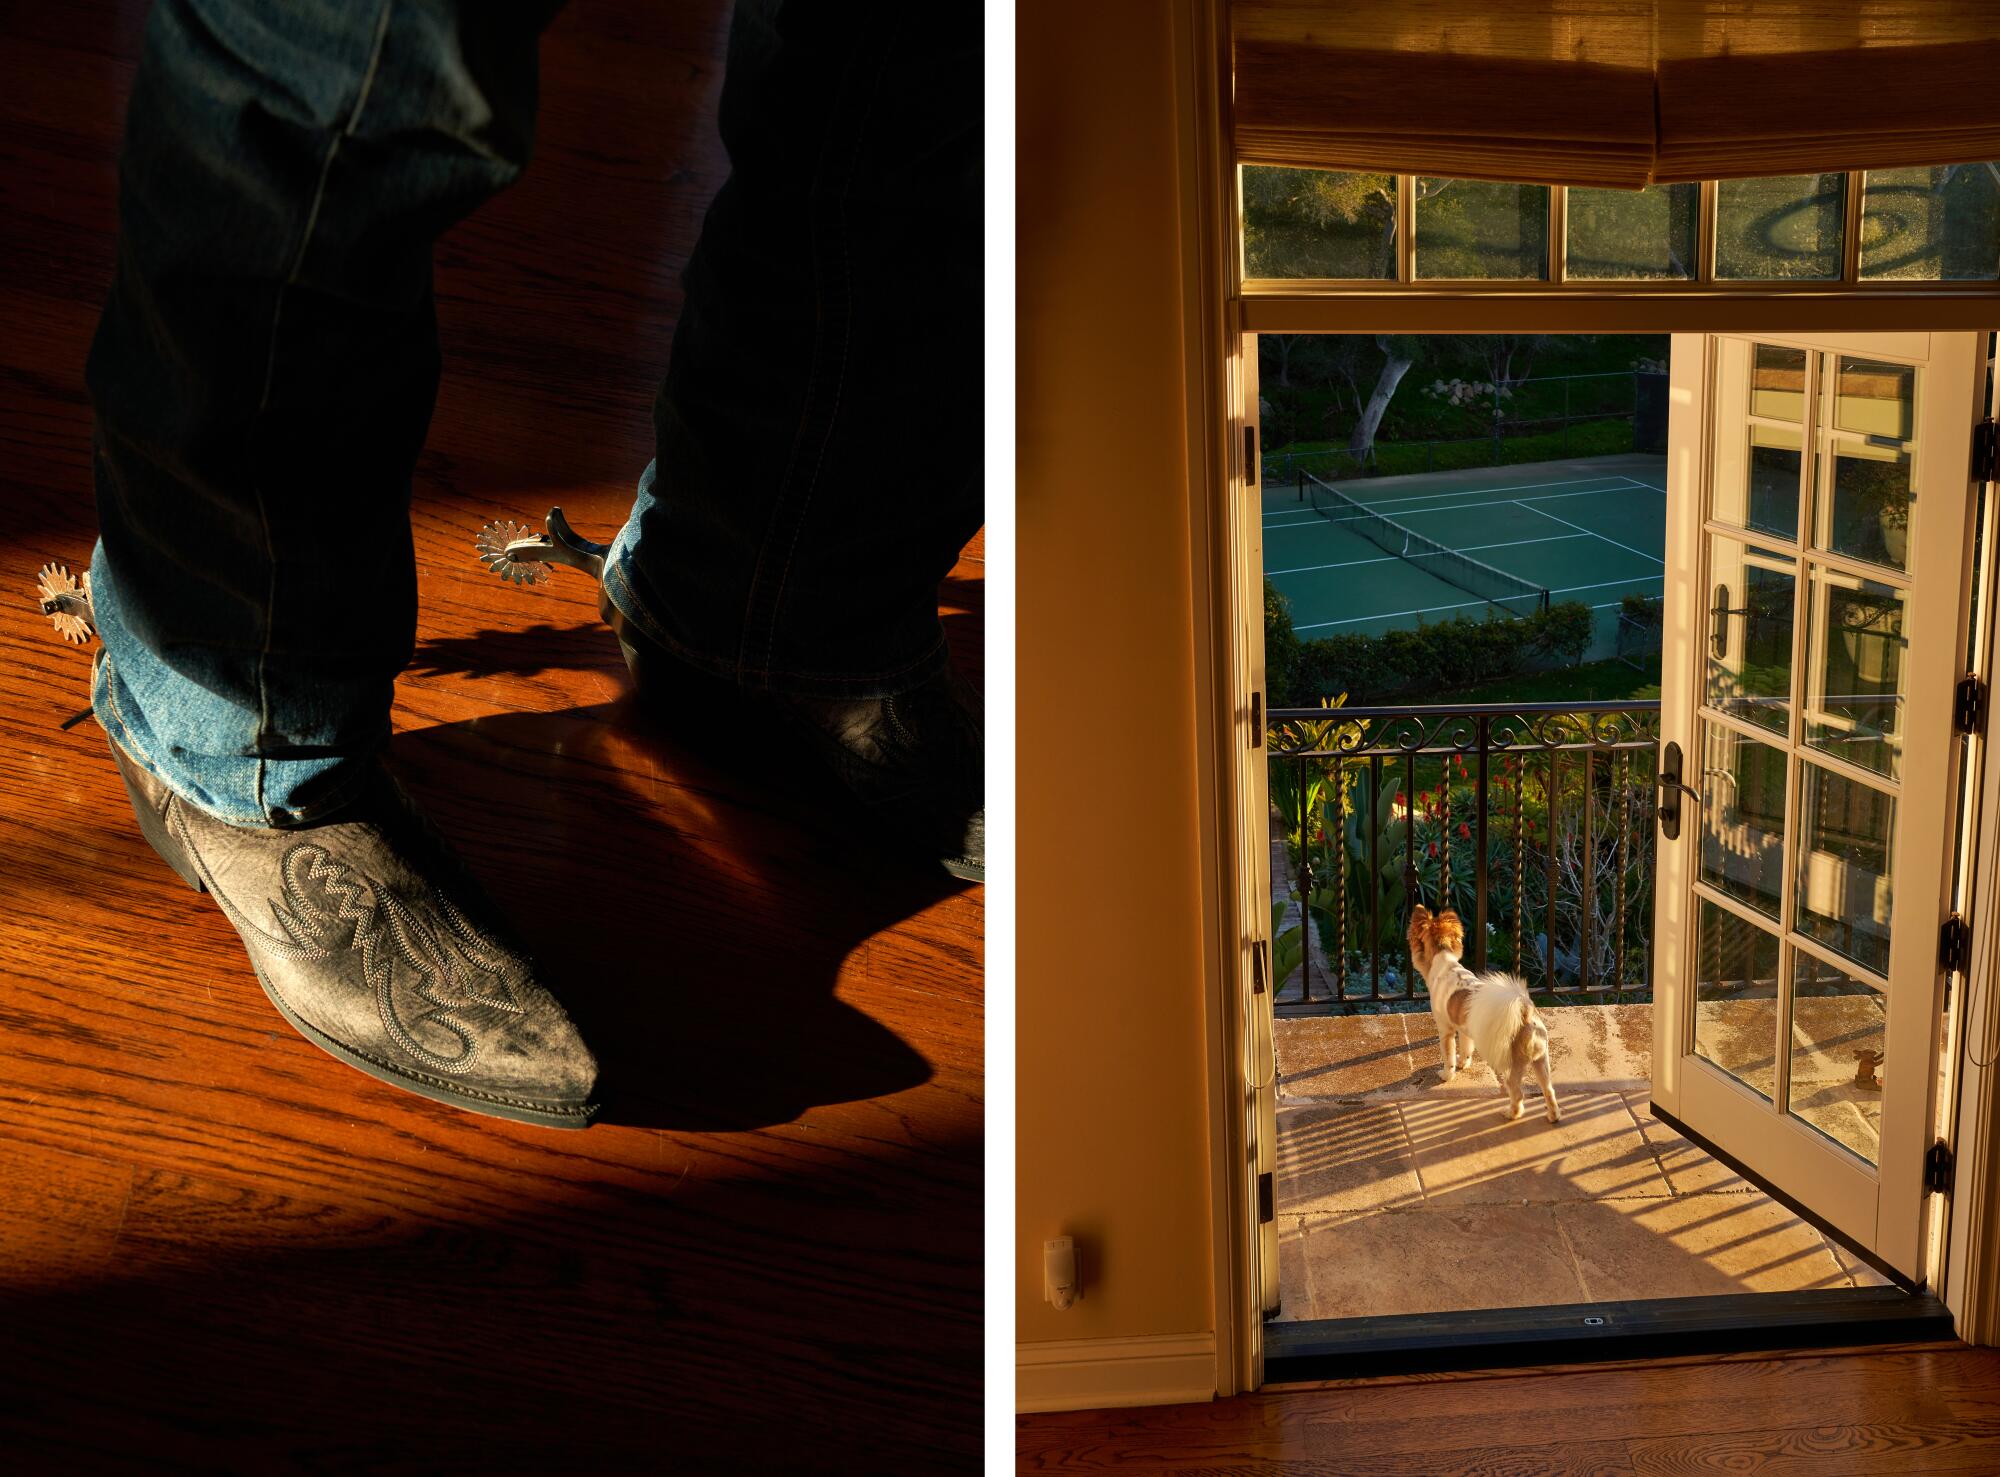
x: 1592, y: 530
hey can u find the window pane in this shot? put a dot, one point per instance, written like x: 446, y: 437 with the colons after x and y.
x: 1742, y: 786
x: 1759, y: 488
x: 1318, y: 223
x: 1474, y: 228
x: 1778, y: 383
x: 1785, y: 226
x: 1839, y: 1031
x: 1939, y: 224
x: 1750, y: 633
x: 1736, y: 997
x: 1628, y: 234
x: 1865, y: 513
x: 1854, y: 671
x: 1875, y: 398
x: 1844, y: 896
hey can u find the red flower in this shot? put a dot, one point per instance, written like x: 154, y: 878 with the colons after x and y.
x: 1320, y: 834
x: 1464, y: 831
x: 1431, y: 849
x: 1400, y: 799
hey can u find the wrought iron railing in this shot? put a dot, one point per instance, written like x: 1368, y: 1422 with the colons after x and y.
x: 1533, y: 820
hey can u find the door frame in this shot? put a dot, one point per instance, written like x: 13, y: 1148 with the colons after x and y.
x: 1220, y: 320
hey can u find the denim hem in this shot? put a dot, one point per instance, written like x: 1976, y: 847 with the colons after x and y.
x: 104, y: 707
x: 887, y: 682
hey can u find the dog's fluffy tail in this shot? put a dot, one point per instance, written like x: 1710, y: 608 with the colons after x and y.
x: 1530, y: 1036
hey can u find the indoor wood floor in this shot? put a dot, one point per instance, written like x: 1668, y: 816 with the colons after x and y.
x: 220, y: 1249
x: 1867, y: 1413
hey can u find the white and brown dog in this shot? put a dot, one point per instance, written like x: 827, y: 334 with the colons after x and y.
x: 1490, y: 1011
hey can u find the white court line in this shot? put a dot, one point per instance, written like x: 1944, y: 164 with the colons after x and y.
x: 1594, y: 534
x: 1554, y: 538
x: 1417, y: 497
x: 1390, y: 615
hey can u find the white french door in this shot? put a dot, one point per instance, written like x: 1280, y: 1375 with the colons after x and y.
x: 1820, y: 547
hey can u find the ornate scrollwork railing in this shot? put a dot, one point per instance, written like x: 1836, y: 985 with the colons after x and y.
x: 1533, y: 820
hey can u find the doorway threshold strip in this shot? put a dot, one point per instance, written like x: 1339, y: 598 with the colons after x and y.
x: 1575, y: 1333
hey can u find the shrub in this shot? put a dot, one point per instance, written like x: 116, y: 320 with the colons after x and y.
x: 1281, y: 648
x: 1447, y: 654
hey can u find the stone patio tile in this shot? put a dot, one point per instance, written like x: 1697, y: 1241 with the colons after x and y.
x: 1436, y: 1260
x: 1294, y: 1287
x: 1337, y: 1158
x: 1863, y: 1274
x: 1468, y: 1154
x: 1694, y: 1245
x: 1688, y: 1169
x: 1335, y: 1056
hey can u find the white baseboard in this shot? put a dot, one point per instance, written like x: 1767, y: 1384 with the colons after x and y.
x: 1096, y: 1374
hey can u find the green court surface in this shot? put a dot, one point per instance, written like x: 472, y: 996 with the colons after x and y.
x: 1592, y: 530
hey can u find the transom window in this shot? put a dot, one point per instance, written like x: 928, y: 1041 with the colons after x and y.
x: 1882, y: 229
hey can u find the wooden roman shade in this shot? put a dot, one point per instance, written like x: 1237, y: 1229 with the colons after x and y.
x: 1621, y: 93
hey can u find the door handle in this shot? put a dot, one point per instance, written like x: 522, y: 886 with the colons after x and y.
x: 1671, y: 789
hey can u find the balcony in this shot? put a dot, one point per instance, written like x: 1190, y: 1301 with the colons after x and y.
x: 1399, y: 1192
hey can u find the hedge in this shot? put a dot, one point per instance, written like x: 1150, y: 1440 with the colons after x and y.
x: 1446, y: 654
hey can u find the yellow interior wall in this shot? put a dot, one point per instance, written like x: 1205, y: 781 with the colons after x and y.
x: 1113, y: 1133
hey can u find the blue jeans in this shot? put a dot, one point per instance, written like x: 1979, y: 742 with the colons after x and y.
x: 266, y: 366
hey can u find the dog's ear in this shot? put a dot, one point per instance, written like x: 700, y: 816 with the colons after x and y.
x: 1419, y: 931
x: 1448, y: 933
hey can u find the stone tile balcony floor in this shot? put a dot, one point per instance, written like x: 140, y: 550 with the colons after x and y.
x: 1399, y: 1193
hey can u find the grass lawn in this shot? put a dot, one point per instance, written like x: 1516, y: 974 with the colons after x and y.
x: 1592, y: 682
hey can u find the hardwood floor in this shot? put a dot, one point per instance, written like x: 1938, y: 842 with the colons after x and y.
x: 1863, y: 1413
x: 220, y: 1249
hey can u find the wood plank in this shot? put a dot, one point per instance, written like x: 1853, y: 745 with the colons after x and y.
x: 1910, y: 1409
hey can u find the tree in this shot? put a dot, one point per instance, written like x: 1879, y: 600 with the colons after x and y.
x: 1399, y: 352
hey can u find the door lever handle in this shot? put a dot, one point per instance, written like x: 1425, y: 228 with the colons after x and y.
x: 1671, y: 789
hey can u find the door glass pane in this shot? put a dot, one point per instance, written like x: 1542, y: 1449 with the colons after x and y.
x: 1749, y: 652
x: 1622, y: 235
x: 1318, y: 223
x: 1742, y: 784
x: 1854, y: 670
x: 1939, y: 224
x: 1736, y: 997
x: 1778, y: 383
x: 1759, y: 488
x: 1875, y: 397
x: 1847, y: 832
x: 1787, y: 226
x: 1476, y: 228
x: 1839, y: 1027
x: 1864, y: 512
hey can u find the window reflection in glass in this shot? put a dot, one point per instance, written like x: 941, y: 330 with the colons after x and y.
x: 1630, y: 235
x: 1875, y: 398
x: 1778, y: 383
x: 1481, y: 229
x: 1749, y: 648
x: 1759, y: 488
x: 1318, y: 223
x: 1940, y: 224
x: 1865, y: 511
x: 1782, y: 227
x: 1848, y: 832
x: 1854, y: 670
x: 1742, y: 784
x: 1736, y: 997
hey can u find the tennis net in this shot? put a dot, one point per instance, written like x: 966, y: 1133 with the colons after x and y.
x: 1496, y: 587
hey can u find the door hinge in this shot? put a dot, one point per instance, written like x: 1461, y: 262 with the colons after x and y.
x: 1938, y: 1164
x: 1256, y: 720
x: 1954, y: 946
x: 1986, y: 451
x: 1968, y: 705
x: 1250, y: 455
x: 1257, y: 967
x: 1266, y: 1212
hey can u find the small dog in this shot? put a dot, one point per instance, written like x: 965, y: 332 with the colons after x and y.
x: 1492, y: 1011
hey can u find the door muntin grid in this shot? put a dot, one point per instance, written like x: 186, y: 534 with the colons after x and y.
x: 1801, y: 747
